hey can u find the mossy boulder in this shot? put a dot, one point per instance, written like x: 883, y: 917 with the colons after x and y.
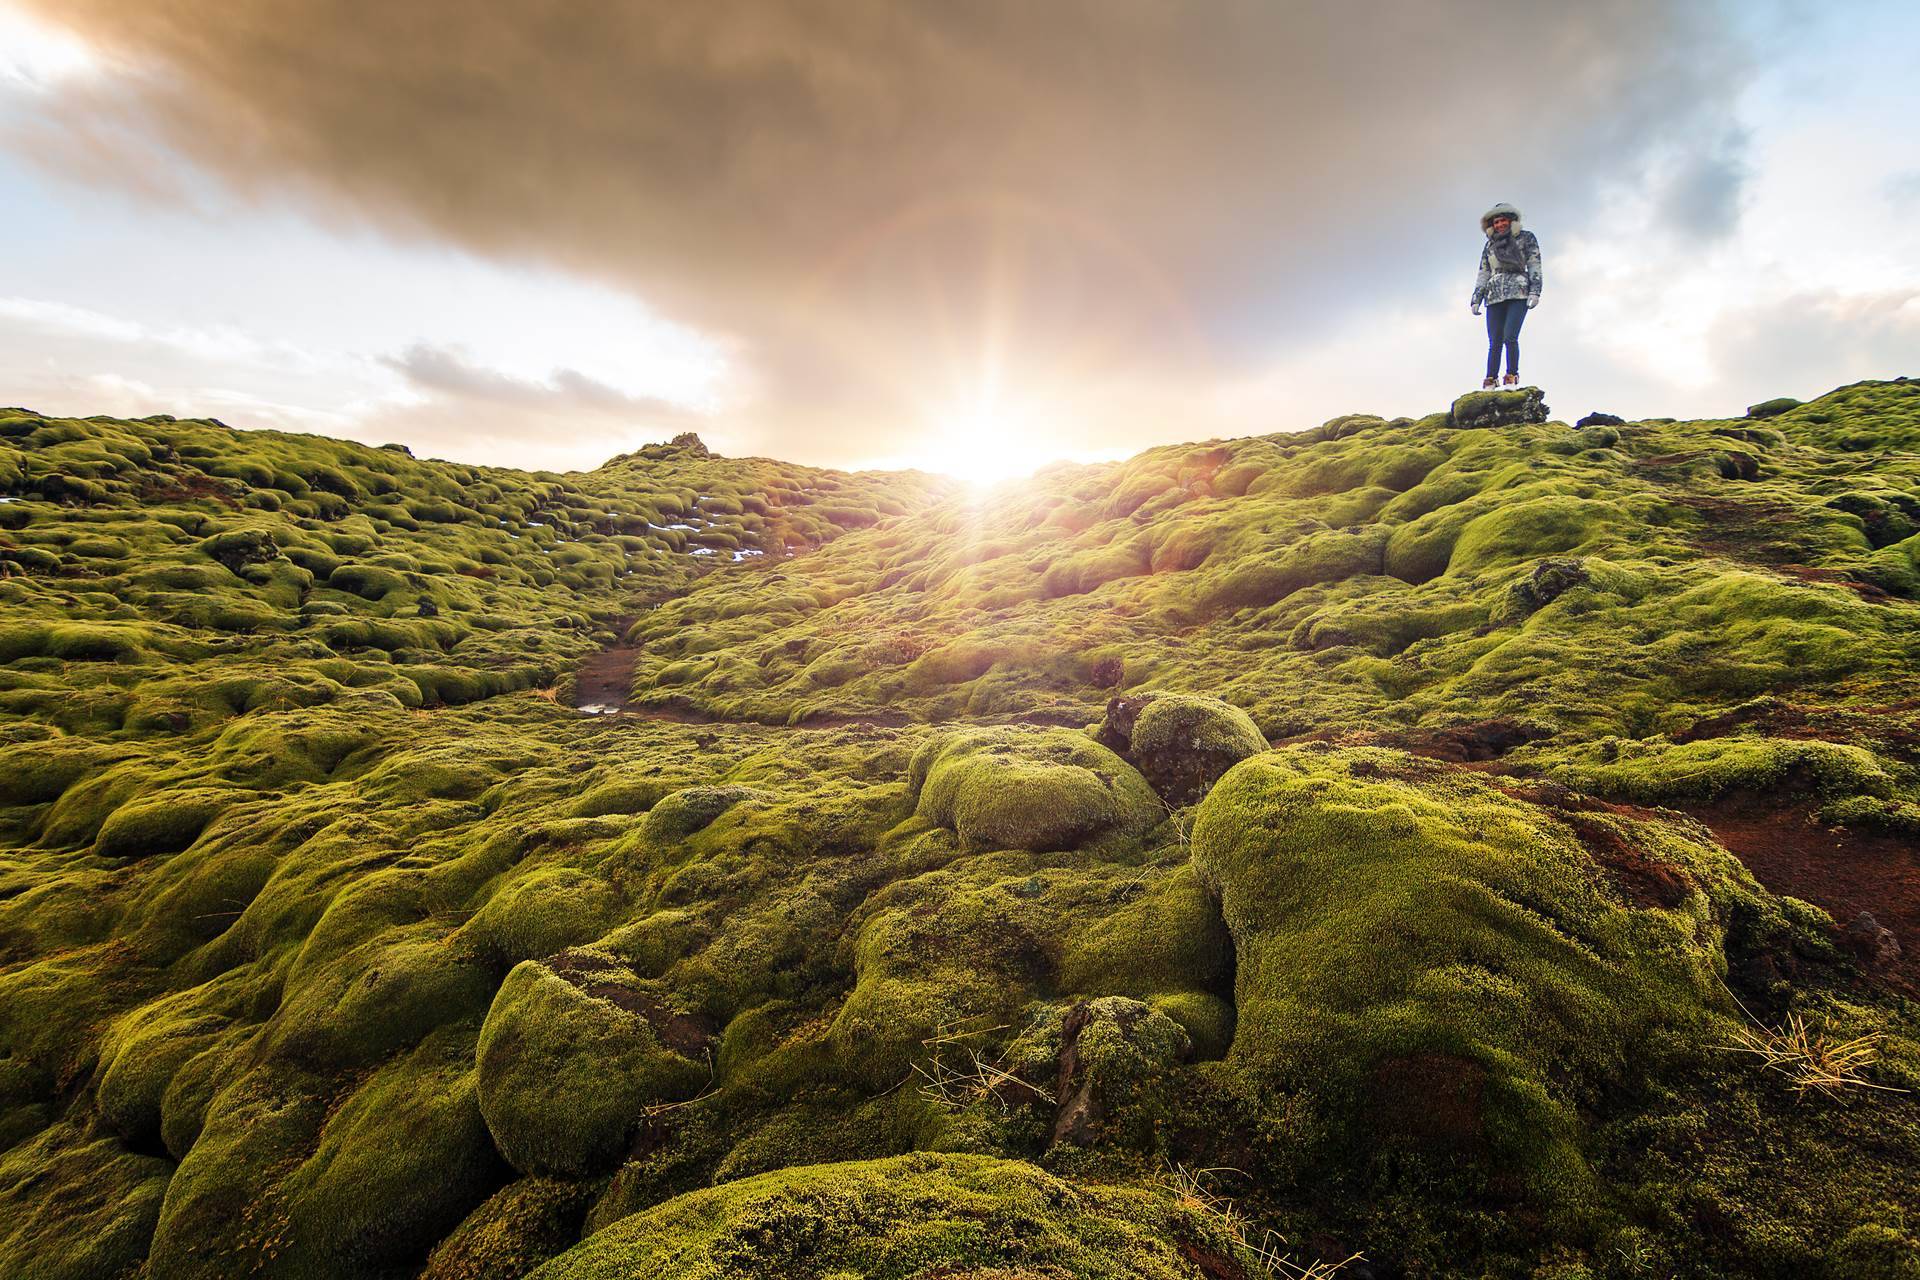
x: 1773, y: 408
x: 1437, y: 967
x: 1519, y: 407
x: 1028, y: 789
x: 1108, y: 1052
x: 1180, y: 742
x: 569, y: 1060
x: 396, y: 1167
x: 681, y: 813
x: 1874, y: 1251
x: 910, y: 1217
x: 164, y: 823
x: 75, y: 1207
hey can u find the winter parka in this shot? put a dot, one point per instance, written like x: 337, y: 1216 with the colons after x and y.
x: 1493, y: 285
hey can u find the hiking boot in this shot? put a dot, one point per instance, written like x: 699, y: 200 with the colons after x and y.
x: 1486, y: 384
x: 1511, y: 380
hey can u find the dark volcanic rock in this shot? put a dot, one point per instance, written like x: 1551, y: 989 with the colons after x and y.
x: 1873, y: 942
x: 1499, y: 408
x: 1598, y: 419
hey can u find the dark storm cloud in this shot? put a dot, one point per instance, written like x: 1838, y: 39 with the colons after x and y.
x: 871, y: 199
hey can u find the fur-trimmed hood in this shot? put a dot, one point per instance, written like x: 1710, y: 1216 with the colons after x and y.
x: 1486, y: 219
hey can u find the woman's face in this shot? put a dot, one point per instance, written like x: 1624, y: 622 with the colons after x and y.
x: 1502, y: 224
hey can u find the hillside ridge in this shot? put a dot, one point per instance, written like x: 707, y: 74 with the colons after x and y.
x: 1398, y: 838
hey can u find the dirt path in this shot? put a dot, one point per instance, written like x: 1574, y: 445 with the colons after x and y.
x: 604, y: 680
x: 1846, y: 872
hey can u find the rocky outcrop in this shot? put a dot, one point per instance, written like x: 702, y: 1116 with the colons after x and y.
x: 1513, y: 408
x: 1180, y: 742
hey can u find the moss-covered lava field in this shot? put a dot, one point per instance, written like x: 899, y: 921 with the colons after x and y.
x: 1473, y: 846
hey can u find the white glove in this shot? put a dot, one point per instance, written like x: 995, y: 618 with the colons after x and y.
x: 1532, y: 303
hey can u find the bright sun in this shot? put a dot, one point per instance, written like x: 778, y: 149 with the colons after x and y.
x: 986, y: 443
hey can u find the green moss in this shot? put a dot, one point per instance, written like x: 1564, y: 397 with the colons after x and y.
x: 543, y: 911
x: 909, y: 1216
x: 1874, y: 1251
x: 396, y: 1167
x: 74, y: 1208
x: 623, y: 795
x: 568, y: 1069
x: 680, y: 814
x: 1663, y: 773
x: 1041, y: 790
x: 1427, y: 963
x: 515, y: 1230
x: 1169, y: 939
x: 287, y: 999
x: 165, y: 823
x: 1180, y: 742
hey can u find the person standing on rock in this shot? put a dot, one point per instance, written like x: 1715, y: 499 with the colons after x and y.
x: 1508, y: 286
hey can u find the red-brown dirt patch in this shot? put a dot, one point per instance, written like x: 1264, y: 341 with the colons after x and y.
x: 1642, y: 881
x: 1845, y: 872
x: 684, y: 1033
x: 1429, y: 1099
x: 605, y: 678
x: 1214, y: 1266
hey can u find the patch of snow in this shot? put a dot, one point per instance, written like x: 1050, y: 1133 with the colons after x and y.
x: 743, y: 554
x: 9, y: 499
x: 701, y: 551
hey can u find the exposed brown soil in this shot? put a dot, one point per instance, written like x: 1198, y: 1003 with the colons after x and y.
x: 1845, y: 872
x: 684, y: 1033
x: 1429, y: 1099
x: 1746, y: 531
x: 605, y: 676
x: 1891, y: 730
x: 1213, y: 1266
x: 1641, y: 880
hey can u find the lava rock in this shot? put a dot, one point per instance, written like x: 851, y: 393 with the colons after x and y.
x: 1875, y: 944
x: 1598, y: 419
x: 1499, y: 408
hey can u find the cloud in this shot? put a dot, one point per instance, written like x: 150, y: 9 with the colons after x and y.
x: 1101, y: 205
x: 1804, y: 344
x: 1702, y: 196
x: 449, y: 372
x: 223, y: 344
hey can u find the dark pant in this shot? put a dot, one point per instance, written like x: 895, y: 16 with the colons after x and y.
x: 1503, y: 329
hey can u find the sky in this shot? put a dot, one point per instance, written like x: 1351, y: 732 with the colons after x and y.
x: 966, y: 235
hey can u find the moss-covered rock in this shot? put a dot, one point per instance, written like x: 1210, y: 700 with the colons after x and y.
x: 1181, y: 743
x: 1020, y: 789
x: 569, y: 1062
x: 1431, y: 965
x: 75, y: 1208
x: 909, y: 1216
x: 1478, y: 409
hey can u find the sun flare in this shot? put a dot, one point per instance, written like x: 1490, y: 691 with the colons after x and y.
x: 988, y: 443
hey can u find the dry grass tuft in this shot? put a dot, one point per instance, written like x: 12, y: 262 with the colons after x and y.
x: 1269, y: 1252
x: 975, y: 1077
x: 1808, y: 1058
